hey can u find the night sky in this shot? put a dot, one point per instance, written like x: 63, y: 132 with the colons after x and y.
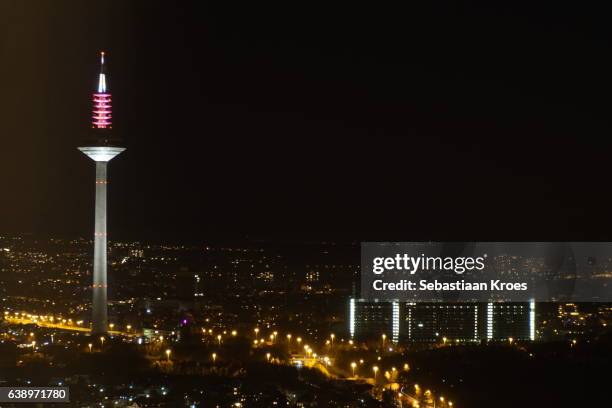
x: 307, y: 121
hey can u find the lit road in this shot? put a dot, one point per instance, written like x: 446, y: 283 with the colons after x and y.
x: 60, y: 326
x: 412, y: 400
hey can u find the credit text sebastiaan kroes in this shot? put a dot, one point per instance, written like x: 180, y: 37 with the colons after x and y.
x: 410, y: 264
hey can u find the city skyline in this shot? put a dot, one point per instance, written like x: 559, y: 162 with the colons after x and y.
x: 203, y: 311
x: 398, y: 206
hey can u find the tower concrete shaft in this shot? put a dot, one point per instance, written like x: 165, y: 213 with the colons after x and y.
x: 99, y: 288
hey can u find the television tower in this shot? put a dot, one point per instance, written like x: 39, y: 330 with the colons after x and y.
x: 102, y: 147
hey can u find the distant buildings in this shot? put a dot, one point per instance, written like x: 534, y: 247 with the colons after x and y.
x: 369, y: 319
x: 441, y: 322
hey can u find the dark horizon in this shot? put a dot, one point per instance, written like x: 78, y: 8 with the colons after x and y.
x: 441, y: 122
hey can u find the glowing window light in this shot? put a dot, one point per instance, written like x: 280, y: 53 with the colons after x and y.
x: 475, y: 323
x: 489, y: 321
x: 395, y: 330
x: 532, y: 320
x: 352, y: 317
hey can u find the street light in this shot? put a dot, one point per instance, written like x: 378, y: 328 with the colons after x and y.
x: 406, y: 367
x: 214, y: 357
x: 375, y: 368
x: 168, y: 351
x: 384, y: 337
x: 102, y: 341
x: 353, y: 366
x: 219, y: 338
x: 256, y: 330
x: 268, y: 356
x: 332, y: 336
x: 90, y: 345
